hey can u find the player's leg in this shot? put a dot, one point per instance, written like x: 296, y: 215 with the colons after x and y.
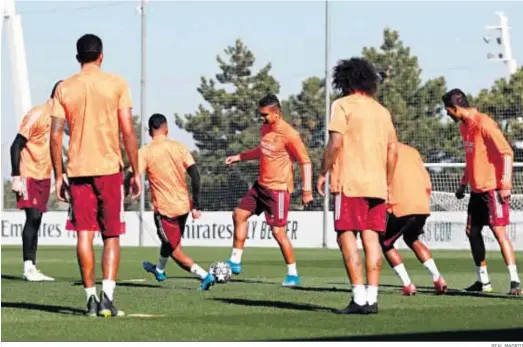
x: 392, y: 255
x: 478, y: 217
x: 158, y: 270
x: 110, y: 196
x: 34, y: 202
x: 375, y: 224
x: 348, y: 215
x: 414, y: 228
x: 499, y: 214
x: 247, y: 207
x: 85, y: 223
x: 170, y: 232
x: 276, y: 207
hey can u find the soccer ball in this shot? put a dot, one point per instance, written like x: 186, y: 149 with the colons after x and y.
x: 221, y: 271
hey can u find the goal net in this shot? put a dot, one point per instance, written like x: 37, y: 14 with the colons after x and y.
x: 446, y: 178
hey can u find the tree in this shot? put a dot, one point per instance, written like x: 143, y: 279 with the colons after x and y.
x: 415, y: 106
x: 228, y: 124
x: 504, y: 102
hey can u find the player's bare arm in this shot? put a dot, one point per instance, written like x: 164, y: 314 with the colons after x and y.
x: 16, y: 156
x: 297, y: 149
x: 57, y: 133
x: 329, y: 156
x: 392, y: 160
x: 125, y: 120
x: 495, y: 138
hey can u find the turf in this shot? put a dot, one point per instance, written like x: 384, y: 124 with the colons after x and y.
x: 253, y: 306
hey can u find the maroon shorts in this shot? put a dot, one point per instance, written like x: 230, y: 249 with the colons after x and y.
x: 275, y: 204
x: 410, y: 226
x: 97, y: 204
x: 170, y: 230
x: 35, y: 194
x: 487, y: 208
x: 358, y: 214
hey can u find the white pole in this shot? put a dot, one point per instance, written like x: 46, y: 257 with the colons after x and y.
x: 142, y: 111
x: 327, y: 118
x: 507, y: 45
x: 15, y: 41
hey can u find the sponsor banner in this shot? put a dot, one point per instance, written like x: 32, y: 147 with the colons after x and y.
x: 444, y: 230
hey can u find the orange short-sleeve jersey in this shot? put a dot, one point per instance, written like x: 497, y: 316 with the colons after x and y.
x: 35, y: 158
x: 166, y: 161
x: 360, y: 170
x: 410, y: 189
x: 89, y: 101
x: 280, y: 146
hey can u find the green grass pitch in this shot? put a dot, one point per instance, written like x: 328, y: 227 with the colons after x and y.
x: 253, y: 306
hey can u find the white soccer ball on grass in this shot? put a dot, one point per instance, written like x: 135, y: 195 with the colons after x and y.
x: 221, y: 271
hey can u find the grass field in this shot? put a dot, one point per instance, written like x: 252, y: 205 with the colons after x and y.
x: 253, y: 306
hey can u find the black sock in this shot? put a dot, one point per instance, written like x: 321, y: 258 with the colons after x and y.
x: 33, y: 218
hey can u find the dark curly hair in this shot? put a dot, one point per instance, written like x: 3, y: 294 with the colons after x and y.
x: 355, y: 74
x: 455, y: 97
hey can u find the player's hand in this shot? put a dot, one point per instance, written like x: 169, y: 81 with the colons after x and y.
x: 230, y: 161
x: 460, y: 193
x: 59, y: 189
x: 307, y: 198
x: 136, y: 186
x: 504, y: 194
x: 196, y: 214
x: 320, y: 184
x: 17, y: 185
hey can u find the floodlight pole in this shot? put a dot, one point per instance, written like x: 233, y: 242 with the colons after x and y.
x: 327, y: 119
x: 142, y: 112
x: 507, y: 58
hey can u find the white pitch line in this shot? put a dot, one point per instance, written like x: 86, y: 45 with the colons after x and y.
x: 145, y: 315
x: 133, y: 280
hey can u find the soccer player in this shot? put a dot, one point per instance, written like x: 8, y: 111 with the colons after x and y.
x: 488, y: 171
x: 166, y: 162
x: 31, y: 180
x: 362, y: 154
x: 409, y: 208
x: 96, y: 106
x: 279, y: 146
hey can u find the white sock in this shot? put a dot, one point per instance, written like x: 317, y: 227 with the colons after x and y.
x: 236, y: 256
x: 90, y: 292
x: 402, y: 274
x: 359, y: 294
x: 482, y: 274
x: 160, y: 265
x: 513, y: 271
x: 108, y: 288
x: 431, y: 266
x: 372, y: 294
x: 28, y: 265
x: 291, y: 270
x: 198, y: 271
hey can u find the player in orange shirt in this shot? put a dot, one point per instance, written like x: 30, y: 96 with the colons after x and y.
x: 279, y: 146
x: 97, y: 106
x: 409, y: 208
x: 31, y: 180
x: 362, y: 154
x: 166, y: 162
x: 488, y: 171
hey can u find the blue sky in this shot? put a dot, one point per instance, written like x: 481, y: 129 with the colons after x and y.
x: 185, y: 37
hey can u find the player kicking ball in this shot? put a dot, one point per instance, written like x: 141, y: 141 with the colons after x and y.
x: 409, y: 208
x: 166, y: 161
x: 280, y: 144
x: 488, y: 171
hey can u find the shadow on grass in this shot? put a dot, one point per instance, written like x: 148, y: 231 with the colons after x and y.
x: 45, y: 308
x: 123, y: 284
x: 12, y: 278
x: 274, y: 304
x: 322, y: 289
x: 463, y: 335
